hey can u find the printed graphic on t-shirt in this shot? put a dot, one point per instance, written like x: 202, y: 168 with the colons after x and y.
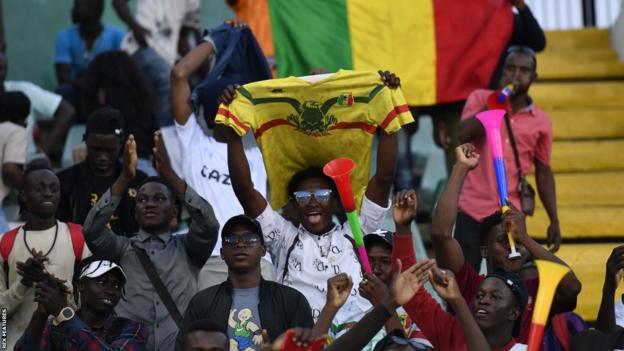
x: 246, y: 334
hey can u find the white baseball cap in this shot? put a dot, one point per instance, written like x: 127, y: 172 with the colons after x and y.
x: 99, y: 268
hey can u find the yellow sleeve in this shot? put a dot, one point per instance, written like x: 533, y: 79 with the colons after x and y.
x: 389, y: 110
x: 238, y: 115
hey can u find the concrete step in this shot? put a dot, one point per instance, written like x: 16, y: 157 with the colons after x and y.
x: 587, y: 123
x: 588, y: 263
x: 587, y: 189
x: 577, y: 40
x: 573, y: 68
x: 583, y: 222
x: 592, y: 156
x: 585, y: 95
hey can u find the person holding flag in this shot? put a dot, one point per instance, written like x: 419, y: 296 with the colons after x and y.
x: 307, y: 255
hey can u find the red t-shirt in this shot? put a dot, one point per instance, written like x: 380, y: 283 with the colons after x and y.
x: 468, y: 282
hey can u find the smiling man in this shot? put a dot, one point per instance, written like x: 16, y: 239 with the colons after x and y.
x: 154, y: 255
x: 95, y: 326
x: 245, y: 303
x: 39, y: 199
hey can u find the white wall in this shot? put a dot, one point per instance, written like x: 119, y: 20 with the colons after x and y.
x: 568, y: 14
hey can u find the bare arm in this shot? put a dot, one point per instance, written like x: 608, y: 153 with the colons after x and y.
x: 613, y: 274
x: 380, y: 184
x: 447, y: 250
x: 123, y: 11
x: 63, y: 119
x: 445, y: 284
x: 546, y: 189
x: 180, y: 89
x: 569, y: 287
x: 250, y: 199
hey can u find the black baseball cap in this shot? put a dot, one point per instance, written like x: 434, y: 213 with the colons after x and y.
x: 381, y: 236
x: 243, y: 220
x: 105, y: 120
x: 518, y: 288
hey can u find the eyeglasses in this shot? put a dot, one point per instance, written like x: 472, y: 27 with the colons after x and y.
x: 321, y: 195
x: 249, y: 239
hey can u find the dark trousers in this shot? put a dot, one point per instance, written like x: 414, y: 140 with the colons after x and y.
x: 467, y: 234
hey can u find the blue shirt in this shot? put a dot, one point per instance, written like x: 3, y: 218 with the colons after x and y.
x: 71, y: 49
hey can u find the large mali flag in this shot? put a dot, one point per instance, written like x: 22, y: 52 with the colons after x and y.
x: 441, y: 49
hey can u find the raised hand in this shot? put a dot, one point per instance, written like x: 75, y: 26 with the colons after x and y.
x: 373, y: 289
x: 130, y: 159
x: 443, y: 281
x: 514, y: 222
x: 229, y: 94
x: 406, y: 284
x: 467, y: 155
x: 404, y: 208
x: 615, y: 267
x: 338, y: 290
x: 390, y: 79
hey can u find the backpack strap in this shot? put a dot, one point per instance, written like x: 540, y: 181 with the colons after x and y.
x: 77, y: 239
x: 6, y: 243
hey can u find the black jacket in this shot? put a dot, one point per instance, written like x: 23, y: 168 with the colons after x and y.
x: 281, y: 308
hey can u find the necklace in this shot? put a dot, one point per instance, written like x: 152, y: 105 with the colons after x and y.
x: 51, y: 247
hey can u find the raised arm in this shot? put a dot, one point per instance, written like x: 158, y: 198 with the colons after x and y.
x: 250, y: 199
x: 444, y: 283
x: 402, y: 288
x: 338, y: 291
x: 204, y: 227
x: 448, y: 252
x: 100, y: 239
x: 569, y: 288
x: 613, y: 274
x: 380, y: 184
x: 180, y: 89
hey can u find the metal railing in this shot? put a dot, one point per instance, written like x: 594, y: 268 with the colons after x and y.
x: 575, y: 14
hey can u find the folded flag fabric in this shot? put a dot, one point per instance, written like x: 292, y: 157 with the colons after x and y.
x: 308, y: 121
x: 441, y: 49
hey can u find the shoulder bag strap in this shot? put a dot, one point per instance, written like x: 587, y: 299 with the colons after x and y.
x: 153, y: 276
